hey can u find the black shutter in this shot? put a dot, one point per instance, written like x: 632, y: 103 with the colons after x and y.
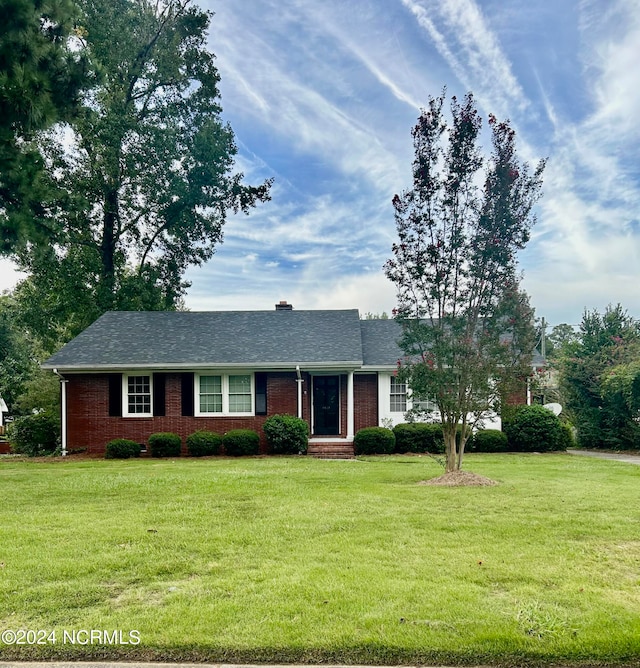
x: 261, y: 393
x: 115, y: 395
x: 187, y: 393
x: 159, y: 394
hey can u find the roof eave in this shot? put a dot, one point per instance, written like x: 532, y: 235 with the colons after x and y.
x: 276, y: 366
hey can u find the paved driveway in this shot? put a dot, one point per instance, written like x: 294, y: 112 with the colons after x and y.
x: 617, y: 456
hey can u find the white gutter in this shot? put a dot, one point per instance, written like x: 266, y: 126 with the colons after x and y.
x: 191, y: 366
x: 299, y: 381
x: 63, y: 410
x: 350, y: 406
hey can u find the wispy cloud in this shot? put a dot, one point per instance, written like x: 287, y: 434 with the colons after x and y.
x: 589, y: 229
x: 304, y: 106
x: 466, y: 42
x: 323, y: 95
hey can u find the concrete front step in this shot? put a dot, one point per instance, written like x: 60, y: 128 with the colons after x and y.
x: 331, y: 450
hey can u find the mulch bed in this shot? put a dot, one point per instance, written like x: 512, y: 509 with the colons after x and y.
x: 460, y: 479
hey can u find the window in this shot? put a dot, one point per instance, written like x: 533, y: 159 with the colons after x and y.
x: 428, y: 405
x: 211, y: 394
x: 398, y: 396
x: 138, y: 395
x: 224, y: 394
x: 240, y: 394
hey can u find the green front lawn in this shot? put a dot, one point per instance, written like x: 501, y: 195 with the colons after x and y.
x: 296, y: 559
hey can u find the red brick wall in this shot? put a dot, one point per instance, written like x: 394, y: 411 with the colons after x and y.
x: 89, y: 424
x: 365, y: 398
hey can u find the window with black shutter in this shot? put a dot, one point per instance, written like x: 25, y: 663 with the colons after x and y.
x: 261, y: 393
x: 159, y: 403
x: 115, y: 395
x: 187, y: 393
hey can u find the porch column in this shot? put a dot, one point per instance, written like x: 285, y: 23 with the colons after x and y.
x: 299, y: 382
x: 350, y: 418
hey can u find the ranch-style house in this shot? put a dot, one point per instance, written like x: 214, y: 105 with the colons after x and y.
x: 131, y: 374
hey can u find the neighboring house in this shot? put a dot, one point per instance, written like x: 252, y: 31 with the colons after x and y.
x: 545, y: 381
x: 131, y: 374
x: 4, y: 446
x: 3, y: 410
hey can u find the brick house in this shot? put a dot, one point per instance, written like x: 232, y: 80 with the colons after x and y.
x: 131, y: 374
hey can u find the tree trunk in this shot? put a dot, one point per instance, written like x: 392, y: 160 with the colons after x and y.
x: 450, y: 447
x: 107, y: 284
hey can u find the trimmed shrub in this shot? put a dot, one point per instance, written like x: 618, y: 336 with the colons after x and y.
x: 35, y: 435
x: 488, y: 440
x: 165, y: 444
x: 374, y: 441
x: 419, y: 437
x: 122, y: 448
x: 239, y: 442
x: 286, y: 434
x: 204, y: 443
x: 508, y: 414
x: 535, y: 429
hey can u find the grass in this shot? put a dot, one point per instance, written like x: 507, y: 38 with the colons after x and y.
x: 303, y: 560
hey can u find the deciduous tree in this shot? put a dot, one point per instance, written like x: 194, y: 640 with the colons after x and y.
x: 144, y: 173
x: 600, y: 382
x: 468, y: 328
x: 17, y: 362
x: 40, y: 83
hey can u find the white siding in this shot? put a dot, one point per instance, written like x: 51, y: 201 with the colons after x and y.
x: 384, y: 405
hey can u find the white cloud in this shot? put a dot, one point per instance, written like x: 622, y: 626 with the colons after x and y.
x: 9, y: 275
x: 589, y: 237
x: 468, y: 45
x: 309, y: 105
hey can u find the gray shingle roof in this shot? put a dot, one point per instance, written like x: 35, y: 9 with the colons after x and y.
x: 380, y: 342
x: 121, y: 339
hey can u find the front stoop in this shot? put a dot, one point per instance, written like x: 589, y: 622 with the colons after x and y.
x: 331, y: 449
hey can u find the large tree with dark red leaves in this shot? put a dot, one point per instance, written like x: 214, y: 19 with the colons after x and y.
x: 467, y: 326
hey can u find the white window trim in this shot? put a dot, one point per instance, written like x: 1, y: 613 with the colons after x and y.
x: 125, y: 395
x: 398, y: 394
x: 225, y: 394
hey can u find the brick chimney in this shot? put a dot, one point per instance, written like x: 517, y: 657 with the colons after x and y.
x: 283, y: 306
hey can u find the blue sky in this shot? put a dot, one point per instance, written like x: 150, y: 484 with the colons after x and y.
x: 322, y: 96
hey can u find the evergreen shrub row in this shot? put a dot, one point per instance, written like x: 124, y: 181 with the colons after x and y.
x: 525, y: 429
x: 202, y: 443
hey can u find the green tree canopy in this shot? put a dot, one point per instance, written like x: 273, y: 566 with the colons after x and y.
x: 40, y: 82
x: 599, y: 380
x: 143, y: 175
x: 17, y: 362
